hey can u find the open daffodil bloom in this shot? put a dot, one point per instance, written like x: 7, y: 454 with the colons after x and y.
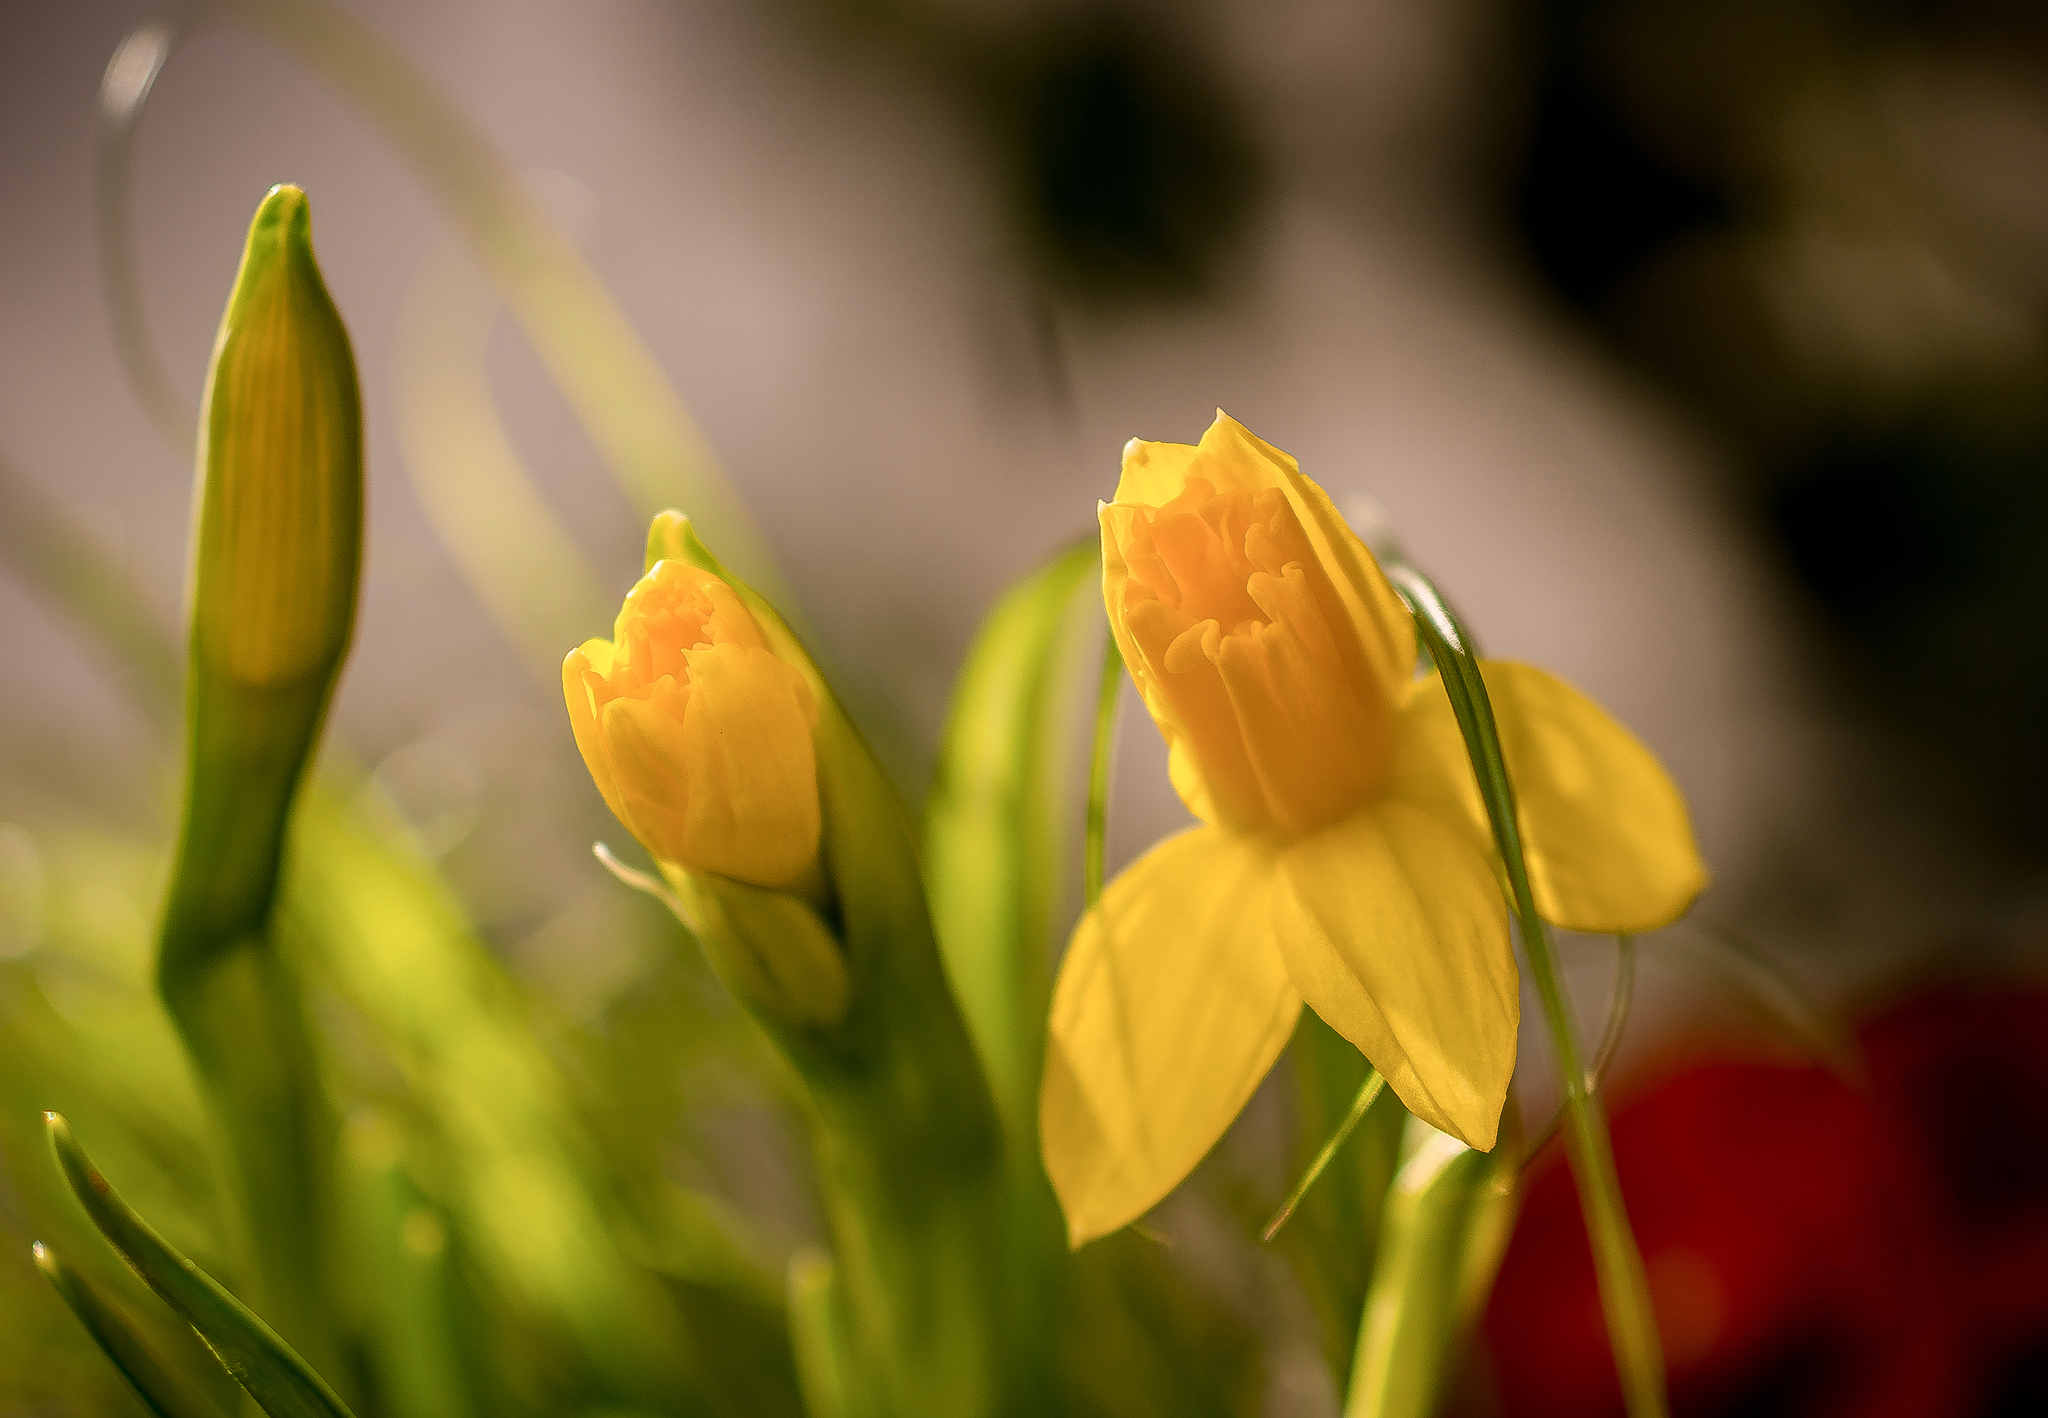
x: 1344, y: 857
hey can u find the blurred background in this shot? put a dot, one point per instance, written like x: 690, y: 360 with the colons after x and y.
x: 1696, y: 348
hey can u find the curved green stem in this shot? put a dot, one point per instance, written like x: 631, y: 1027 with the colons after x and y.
x: 1368, y: 1093
x: 1617, y: 1262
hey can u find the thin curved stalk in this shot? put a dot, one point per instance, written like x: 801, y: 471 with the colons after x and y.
x: 1610, y: 1039
x: 1617, y: 1261
x: 1368, y: 1094
x: 646, y: 438
x: 124, y: 91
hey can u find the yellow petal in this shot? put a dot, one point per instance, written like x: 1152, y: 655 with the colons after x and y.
x: 1154, y: 473
x: 1171, y: 1005
x: 753, y: 773
x: 1395, y: 933
x: 648, y: 750
x: 1605, y: 830
x: 592, y: 659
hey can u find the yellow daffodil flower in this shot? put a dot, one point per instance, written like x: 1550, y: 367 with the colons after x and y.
x: 1344, y: 857
x: 699, y: 737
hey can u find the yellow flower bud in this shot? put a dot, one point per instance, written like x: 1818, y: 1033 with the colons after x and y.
x: 698, y: 735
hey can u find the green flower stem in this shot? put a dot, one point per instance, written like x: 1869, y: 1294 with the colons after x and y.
x: 1624, y: 1289
x: 1617, y: 1262
x: 906, y: 1142
x: 277, y: 554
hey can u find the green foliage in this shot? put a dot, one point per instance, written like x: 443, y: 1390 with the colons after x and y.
x: 268, y: 1368
x: 160, y: 1390
x: 996, y: 848
x: 1436, y: 1249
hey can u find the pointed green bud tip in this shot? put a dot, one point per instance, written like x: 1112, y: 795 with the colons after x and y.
x: 280, y: 514
x: 665, y: 538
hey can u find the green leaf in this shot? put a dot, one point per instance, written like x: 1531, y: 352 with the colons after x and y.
x: 161, y: 1392
x: 997, y: 848
x: 269, y: 1369
x: 995, y: 840
x: 825, y: 1366
x: 1439, y: 1243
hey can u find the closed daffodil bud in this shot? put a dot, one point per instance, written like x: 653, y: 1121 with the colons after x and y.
x: 699, y: 735
x: 279, y: 537
x: 277, y: 554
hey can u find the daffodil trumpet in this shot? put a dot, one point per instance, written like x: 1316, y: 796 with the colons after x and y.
x: 1344, y: 857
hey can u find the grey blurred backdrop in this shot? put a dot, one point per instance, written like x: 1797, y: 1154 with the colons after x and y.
x: 920, y: 270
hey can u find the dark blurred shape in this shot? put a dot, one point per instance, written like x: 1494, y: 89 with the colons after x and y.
x: 1127, y: 167
x: 1923, y: 540
x: 1964, y: 1072
x: 1813, y: 1248
x: 1594, y: 202
x: 1125, y: 162
x: 1810, y: 220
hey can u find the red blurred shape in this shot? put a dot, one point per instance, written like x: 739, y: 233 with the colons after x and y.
x: 1797, y: 1251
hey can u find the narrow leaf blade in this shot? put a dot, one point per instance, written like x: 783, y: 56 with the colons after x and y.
x: 994, y: 844
x: 160, y: 1391
x: 269, y: 1369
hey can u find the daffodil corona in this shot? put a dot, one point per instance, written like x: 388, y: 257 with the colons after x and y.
x: 1344, y: 857
x: 698, y: 736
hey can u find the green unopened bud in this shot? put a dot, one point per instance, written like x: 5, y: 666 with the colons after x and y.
x: 277, y: 552
x: 280, y: 505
